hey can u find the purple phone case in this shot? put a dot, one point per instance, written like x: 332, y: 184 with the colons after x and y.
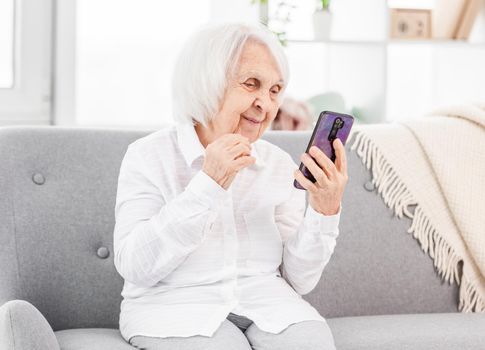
x: 321, y: 138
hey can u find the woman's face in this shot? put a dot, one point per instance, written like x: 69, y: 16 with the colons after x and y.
x: 252, y: 97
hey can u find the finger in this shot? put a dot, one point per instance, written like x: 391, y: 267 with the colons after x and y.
x: 233, y: 139
x: 340, y: 156
x: 239, y: 150
x: 304, y: 182
x: 325, y: 163
x: 243, y: 162
x: 315, y: 170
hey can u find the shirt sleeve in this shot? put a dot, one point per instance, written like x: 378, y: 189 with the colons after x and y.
x: 151, y: 236
x: 309, y: 239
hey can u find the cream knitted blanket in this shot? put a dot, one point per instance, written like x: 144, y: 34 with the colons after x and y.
x: 438, y: 164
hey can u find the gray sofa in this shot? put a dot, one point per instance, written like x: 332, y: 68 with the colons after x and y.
x: 59, y: 287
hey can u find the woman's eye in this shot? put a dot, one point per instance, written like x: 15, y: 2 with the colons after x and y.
x: 276, y: 90
x: 251, y: 83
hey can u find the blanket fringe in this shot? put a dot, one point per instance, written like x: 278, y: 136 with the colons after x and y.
x: 470, y: 300
x: 398, y: 198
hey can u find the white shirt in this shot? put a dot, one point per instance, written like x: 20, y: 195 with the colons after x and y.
x: 191, y: 252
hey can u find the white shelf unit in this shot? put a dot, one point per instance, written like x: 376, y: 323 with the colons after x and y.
x: 390, y: 80
x: 385, y: 79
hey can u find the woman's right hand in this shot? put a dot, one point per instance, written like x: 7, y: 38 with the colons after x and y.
x: 225, y: 157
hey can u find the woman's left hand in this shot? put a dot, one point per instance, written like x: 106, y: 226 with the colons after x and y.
x: 326, y: 193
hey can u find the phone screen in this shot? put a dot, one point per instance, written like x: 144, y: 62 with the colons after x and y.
x: 330, y: 125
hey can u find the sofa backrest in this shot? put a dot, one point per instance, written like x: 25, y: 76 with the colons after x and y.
x: 57, y: 197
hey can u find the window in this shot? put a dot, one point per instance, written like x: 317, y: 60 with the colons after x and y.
x: 125, y: 52
x: 25, y: 61
x: 6, y: 43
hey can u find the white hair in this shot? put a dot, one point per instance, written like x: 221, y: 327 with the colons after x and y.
x: 207, y: 61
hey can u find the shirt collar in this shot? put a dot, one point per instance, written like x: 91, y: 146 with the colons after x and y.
x: 189, y: 143
x: 192, y: 149
x: 259, y: 159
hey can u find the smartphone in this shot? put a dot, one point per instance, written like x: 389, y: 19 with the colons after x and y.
x: 330, y: 125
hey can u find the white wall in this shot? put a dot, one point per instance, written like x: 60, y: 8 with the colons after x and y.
x: 126, y: 49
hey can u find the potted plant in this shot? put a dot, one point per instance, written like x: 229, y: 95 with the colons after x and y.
x: 322, y: 20
x: 279, y: 19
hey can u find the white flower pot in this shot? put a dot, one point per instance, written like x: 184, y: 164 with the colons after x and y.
x: 322, y: 24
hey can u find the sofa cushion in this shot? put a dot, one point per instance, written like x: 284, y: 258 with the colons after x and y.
x: 92, y: 339
x: 445, y: 331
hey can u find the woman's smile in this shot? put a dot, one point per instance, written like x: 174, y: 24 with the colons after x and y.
x: 252, y: 120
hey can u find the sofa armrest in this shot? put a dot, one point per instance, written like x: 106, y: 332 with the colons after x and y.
x: 23, y: 327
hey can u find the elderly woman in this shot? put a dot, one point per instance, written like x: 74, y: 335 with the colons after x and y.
x: 212, y: 239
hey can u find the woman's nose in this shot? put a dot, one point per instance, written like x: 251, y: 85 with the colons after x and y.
x: 263, y: 101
